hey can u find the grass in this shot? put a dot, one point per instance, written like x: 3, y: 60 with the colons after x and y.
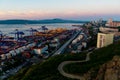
x: 47, y: 70
x: 98, y: 57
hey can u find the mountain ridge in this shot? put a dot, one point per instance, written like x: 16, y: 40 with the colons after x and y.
x: 46, y: 21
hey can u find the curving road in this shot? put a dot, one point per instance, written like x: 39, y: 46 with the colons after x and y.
x: 60, y: 68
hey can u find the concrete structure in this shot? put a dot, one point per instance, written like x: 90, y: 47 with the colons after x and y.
x: 79, y: 37
x: 41, y: 50
x: 13, y: 53
x: 80, y: 47
x: 54, y: 44
x: 8, y: 55
x: 74, y: 41
x: 111, y: 23
x: 115, y: 31
x: 3, y: 56
x: 104, y: 39
x: 84, y: 44
x: 106, y: 29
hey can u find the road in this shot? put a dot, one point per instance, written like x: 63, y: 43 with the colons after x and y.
x: 59, y: 51
x: 62, y: 72
x: 12, y: 71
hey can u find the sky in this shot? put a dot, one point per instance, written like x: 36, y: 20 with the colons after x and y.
x: 65, y: 9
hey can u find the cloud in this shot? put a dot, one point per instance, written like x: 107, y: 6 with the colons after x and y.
x: 40, y: 14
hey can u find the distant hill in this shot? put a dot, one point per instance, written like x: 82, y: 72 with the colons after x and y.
x: 46, y: 21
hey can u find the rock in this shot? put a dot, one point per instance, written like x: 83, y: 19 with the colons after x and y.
x: 107, y: 71
x: 110, y: 70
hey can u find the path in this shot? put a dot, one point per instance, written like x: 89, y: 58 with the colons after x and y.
x: 60, y: 68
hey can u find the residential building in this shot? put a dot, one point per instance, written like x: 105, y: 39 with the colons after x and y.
x: 111, y: 23
x: 107, y: 29
x: 104, y: 39
x: 54, y: 44
x: 84, y: 44
x: 40, y: 50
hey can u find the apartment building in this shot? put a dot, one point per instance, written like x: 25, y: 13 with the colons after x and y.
x: 104, y: 39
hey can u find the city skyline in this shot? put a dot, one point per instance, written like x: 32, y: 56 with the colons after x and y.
x: 65, y: 9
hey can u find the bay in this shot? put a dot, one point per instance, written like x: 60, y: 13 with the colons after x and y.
x: 7, y: 29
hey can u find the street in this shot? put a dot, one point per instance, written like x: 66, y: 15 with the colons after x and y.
x: 59, y: 51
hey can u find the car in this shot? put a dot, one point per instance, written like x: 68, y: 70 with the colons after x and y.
x: 7, y: 71
x: 91, y: 49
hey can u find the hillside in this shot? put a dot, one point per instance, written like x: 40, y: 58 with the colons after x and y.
x: 47, y: 21
x: 48, y: 69
x: 98, y: 58
x: 110, y: 70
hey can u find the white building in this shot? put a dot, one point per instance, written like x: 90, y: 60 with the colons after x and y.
x: 104, y: 39
x: 41, y: 50
x: 105, y: 29
x: 84, y: 44
x: 13, y: 53
x: 77, y: 39
x: 8, y: 55
x: 79, y: 47
x: 54, y: 44
x: 3, y: 56
x: 111, y: 23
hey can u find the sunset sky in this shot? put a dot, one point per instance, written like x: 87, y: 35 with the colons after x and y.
x: 65, y: 9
